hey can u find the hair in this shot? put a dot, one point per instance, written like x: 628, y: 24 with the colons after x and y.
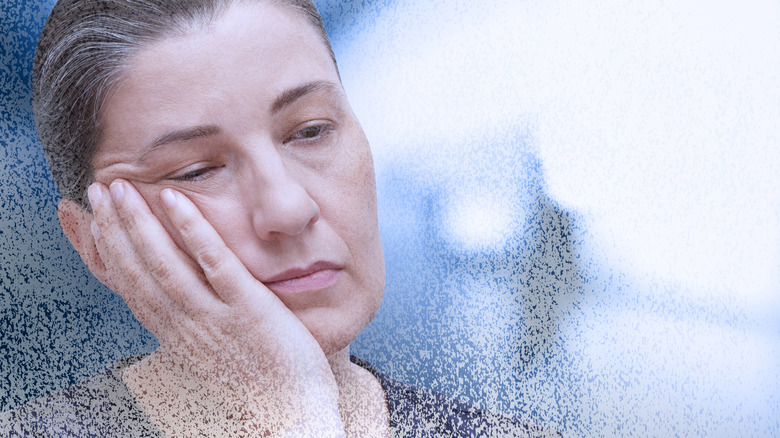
x: 82, y: 52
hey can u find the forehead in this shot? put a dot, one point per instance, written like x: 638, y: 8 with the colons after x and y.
x: 239, y: 62
x: 259, y: 38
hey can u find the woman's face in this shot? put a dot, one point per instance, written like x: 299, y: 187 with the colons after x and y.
x: 247, y: 117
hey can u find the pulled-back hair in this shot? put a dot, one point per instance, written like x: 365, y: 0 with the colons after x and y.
x: 82, y: 52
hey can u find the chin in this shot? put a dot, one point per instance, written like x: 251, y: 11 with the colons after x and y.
x: 335, y: 329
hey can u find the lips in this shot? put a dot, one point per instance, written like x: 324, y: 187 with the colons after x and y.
x: 316, y: 276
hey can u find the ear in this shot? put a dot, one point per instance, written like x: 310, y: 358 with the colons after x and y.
x: 77, y: 225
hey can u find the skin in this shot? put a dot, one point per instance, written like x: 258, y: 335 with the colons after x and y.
x: 230, y: 155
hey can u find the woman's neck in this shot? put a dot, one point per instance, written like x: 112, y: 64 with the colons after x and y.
x: 362, y: 401
x: 177, y: 404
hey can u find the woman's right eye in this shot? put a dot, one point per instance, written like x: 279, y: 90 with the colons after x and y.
x: 195, y: 175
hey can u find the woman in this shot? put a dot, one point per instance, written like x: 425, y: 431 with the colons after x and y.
x: 213, y: 174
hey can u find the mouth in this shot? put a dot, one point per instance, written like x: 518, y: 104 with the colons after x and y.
x: 317, y: 276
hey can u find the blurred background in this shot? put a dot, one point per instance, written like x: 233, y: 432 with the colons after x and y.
x: 579, y: 205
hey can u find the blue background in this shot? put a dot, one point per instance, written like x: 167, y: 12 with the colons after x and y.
x: 501, y: 289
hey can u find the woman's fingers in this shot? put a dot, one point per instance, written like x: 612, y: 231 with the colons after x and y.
x: 195, y: 281
x: 125, y: 268
x: 224, y: 271
x: 200, y: 300
x: 161, y: 269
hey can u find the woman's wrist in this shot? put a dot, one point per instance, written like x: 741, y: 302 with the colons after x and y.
x: 178, y: 401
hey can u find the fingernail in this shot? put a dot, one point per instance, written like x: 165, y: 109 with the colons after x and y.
x: 95, y: 230
x: 117, y: 191
x: 95, y: 195
x: 168, y: 198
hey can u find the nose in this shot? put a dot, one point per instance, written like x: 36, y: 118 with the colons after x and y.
x: 282, y: 205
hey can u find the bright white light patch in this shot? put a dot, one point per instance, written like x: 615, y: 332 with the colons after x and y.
x: 657, y: 121
x: 660, y: 125
x: 479, y: 223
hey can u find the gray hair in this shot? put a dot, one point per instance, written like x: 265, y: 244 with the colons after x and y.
x: 83, y: 50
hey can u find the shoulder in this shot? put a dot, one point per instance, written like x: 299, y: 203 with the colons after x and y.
x: 420, y: 412
x: 99, y: 406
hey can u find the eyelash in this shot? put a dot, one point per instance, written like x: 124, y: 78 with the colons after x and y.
x: 195, y: 175
x: 321, y: 131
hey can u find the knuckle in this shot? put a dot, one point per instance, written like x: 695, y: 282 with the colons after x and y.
x: 123, y: 277
x: 212, y: 261
x: 202, y: 315
x: 160, y: 270
x: 132, y: 220
x: 210, y: 318
x: 187, y: 227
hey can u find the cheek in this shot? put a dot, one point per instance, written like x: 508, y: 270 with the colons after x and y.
x: 357, y: 176
x: 152, y: 196
x: 364, y: 185
x: 209, y: 207
x: 349, y: 195
x: 232, y: 227
x: 360, y: 223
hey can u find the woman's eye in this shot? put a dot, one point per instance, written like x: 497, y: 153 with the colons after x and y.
x: 310, y: 132
x: 195, y: 175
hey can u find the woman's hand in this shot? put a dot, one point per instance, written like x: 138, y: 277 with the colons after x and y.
x: 233, y: 359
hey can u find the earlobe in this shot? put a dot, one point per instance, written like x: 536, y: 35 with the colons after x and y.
x: 76, y: 223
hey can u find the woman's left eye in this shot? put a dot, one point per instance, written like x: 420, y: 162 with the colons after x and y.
x: 310, y: 133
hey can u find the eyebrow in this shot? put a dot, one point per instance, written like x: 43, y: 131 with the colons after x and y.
x: 289, y: 96
x: 184, y: 135
x: 285, y: 99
